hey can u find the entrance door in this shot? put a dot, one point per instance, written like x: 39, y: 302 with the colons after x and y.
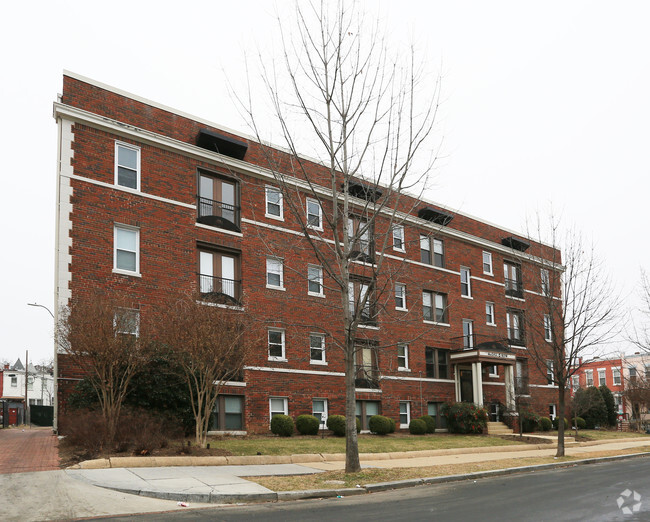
x: 466, y: 387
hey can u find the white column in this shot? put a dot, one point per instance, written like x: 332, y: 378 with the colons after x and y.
x: 510, y: 387
x: 477, y: 383
x: 457, y: 382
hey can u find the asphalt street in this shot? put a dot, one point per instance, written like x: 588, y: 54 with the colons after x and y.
x: 607, y: 491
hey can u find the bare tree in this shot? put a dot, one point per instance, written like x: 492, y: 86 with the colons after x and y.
x: 104, y: 337
x: 640, y: 334
x: 577, y: 311
x: 367, y: 115
x: 210, y: 347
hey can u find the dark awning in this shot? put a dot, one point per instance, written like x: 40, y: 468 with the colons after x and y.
x: 222, y: 144
x: 515, y: 243
x: 434, y: 215
x: 364, y: 191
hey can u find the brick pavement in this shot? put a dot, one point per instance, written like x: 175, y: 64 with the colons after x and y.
x: 35, y: 449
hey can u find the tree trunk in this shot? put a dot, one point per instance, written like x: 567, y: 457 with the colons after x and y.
x: 352, y: 464
x: 560, y: 421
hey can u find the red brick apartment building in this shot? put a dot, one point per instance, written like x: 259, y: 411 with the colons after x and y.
x: 146, y: 204
x: 603, y: 371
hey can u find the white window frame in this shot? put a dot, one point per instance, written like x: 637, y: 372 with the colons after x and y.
x: 401, y: 294
x: 488, y: 256
x: 550, y: 373
x: 135, y: 149
x: 126, y: 228
x: 318, y: 279
x: 285, y: 407
x: 282, y: 357
x: 489, y: 314
x: 405, y: 357
x: 548, y: 333
x: 616, y: 375
x: 545, y: 281
x: 322, y: 361
x: 575, y: 382
x: 465, y: 279
x: 604, y: 379
x: 552, y: 411
x: 14, y: 381
x: 268, y: 189
x: 116, y: 323
x: 493, y: 370
x: 398, y: 233
x: 589, y: 377
x: 320, y: 214
x: 275, y: 266
x: 469, y: 334
x: 408, y: 414
x: 324, y: 413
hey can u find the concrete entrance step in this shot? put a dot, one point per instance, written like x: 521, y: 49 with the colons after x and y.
x: 498, y: 428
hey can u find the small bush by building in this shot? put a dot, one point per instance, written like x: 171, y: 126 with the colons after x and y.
x: 556, y: 422
x: 379, y: 425
x: 529, y: 421
x: 545, y: 424
x: 463, y: 417
x: 282, y: 425
x: 307, y: 424
x: 430, y: 422
x: 417, y: 427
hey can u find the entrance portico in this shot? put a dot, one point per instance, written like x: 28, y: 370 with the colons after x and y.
x: 468, y: 372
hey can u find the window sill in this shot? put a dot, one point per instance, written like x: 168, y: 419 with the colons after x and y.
x: 281, y: 288
x: 319, y: 363
x: 491, y: 274
x: 278, y: 359
x: 495, y: 375
x: 313, y: 294
x: 400, y: 369
x: 402, y: 250
x: 467, y: 297
x: 435, y: 323
x: 126, y: 272
x: 368, y: 327
x: 277, y: 218
x: 403, y: 426
x: 521, y: 299
x: 490, y: 324
x: 311, y: 227
x: 401, y: 309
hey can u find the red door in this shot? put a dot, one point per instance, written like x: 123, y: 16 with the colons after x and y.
x: 13, y: 416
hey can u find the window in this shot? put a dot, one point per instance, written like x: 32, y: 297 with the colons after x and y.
x: 434, y: 409
x: 228, y: 413
x: 314, y: 214
x: 127, y: 250
x: 126, y: 321
x: 317, y: 348
x: 632, y: 371
x: 515, y: 325
x: 575, y: 382
x: 315, y: 280
x: 493, y: 370
x: 400, y: 296
x: 404, y: 414
x: 465, y: 285
x: 521, y: 380
x: 512, y: 280
x: 427, y: 245
x: 127, y: 166
x: 616, y: 374
x: 278, y: 406
x: 437, y: 363
x: 402, y: 357
x: 360, y: 234
x: 218, y: 202
x: 468, y: 334
x: 647, y: 372
x: 274, y: 207
x: 545, y: 281
x: 602, y: 379
x: 319, y: 410
x: 618, y: 399
x: 589, y: 378
x: 219, y: 276
x: 549, y: 372
x: 552, y: 411
x: 398, y: 238
x: 434, y: 306
x: 548, y: 335
x: 361, y: 296
x: 489, y: 314
x: 365, y: 410
x: 276, y: 345
x: 367, y: 373
x: 487, y: 263
x: 30, y: 382
x: 274, y: 273
x: 14, y: 381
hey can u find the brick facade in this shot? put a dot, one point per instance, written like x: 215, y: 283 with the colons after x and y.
x: 163, y: 211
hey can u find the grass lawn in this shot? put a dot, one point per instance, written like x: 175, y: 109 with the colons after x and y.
x: 339, y: 479
x: 270, y: 445
x: 598, y: 434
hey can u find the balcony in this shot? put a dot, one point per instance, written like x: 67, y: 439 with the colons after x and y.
x: 367, y: 377
x: 514, y: 288
x: 521, y: 386
x: 516, y: 338
x: 218, y: 214
x: 220, y: 290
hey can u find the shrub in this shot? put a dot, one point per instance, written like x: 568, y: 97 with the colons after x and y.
x: 590, y: 405
x: 463, y: 417
x: 545, y: 424
x: 336, y: 423
x: 307, y: 424
x: 85, y: 430
x: 282, y: 425
x: 430, y: 422
x: 379, y: 424
x: 556, y: 422
x: 610, y: 404
x: 580, y: 423
x: 393, y: 425
x: 529, y: 420
x: 417, y: 427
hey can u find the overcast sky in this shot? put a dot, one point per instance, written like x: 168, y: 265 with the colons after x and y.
x: 544, y: 102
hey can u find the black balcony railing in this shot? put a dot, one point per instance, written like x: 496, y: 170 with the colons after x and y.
x: 483, y: 342
x: 514, y: 288
x: 218, y: 214
x: 367, y: 377
x: 516, y: 337
x: 521, y: 386
x: 220, y: 289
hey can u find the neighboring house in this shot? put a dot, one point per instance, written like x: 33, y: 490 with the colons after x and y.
x: 636, y: 375
x: 147, y: 204
x: 602, y: 371
x: 40, y: 389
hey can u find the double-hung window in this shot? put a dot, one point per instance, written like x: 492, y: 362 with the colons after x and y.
x: 398, y: 238
x: 278, y: 406
x: 126, y: 321
x: 274, y: 273
x: 465, y: 283
x: 575, y: 382
x: 274, y: 207
x: 317, y: 348
x: 468, y: 334
x: 127, y: 250
x: 276, y: 345
x: 602, y: 379
x: 489, y: 314
x: 314, y: 214
x: 400, y: 296
x: 228, y: 413
x: 319, y: 410
x: 127, y: 166
x: 434, y: 306
x: 616, y: 375
x: 437, y: 363
x: 14, y: 381
x: 402, y: 357
x: 515, y: 327
x: 545, y: 281
x: 315, y: 280
x: 550, y: 376
x: 589, y: 377
x: 548, y: 331
x: 404, y: 414
x: 432, y: 251
x: 487, y: 263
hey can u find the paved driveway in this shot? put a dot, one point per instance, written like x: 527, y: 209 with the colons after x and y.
x: 31, y: 449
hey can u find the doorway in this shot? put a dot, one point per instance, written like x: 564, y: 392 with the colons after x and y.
x: 466, y: 386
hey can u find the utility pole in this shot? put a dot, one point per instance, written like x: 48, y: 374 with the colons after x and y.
x: 26, y: 419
